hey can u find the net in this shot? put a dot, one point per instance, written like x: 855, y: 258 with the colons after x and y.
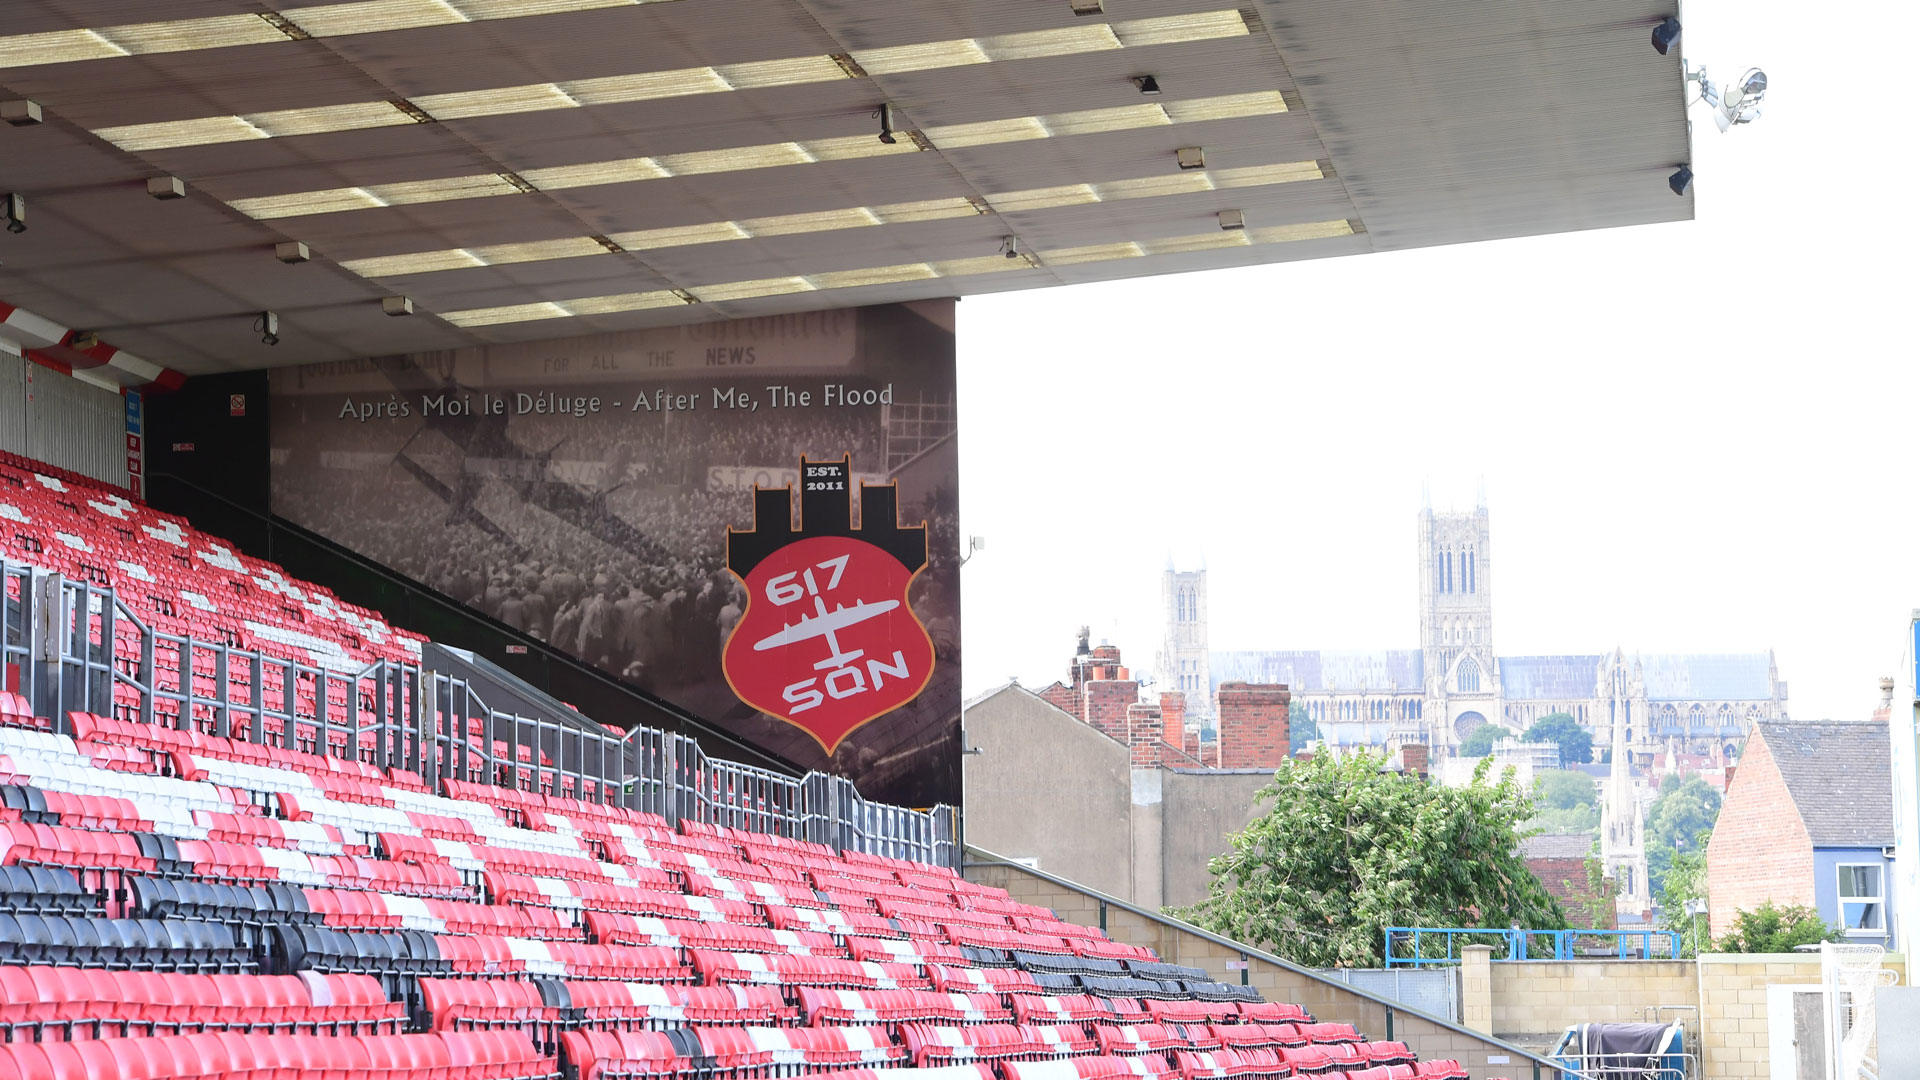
x: 1852, y: 974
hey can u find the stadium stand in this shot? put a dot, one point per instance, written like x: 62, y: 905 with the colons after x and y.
x: 179, y: 902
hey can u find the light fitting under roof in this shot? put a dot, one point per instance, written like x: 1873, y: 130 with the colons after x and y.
x: 264, y: 28
x: 771, y: 155
x: 655, y: 85
x: 881, y: 275
x: 427, y: 262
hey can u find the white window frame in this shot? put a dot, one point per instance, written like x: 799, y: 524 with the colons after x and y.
x: 1879, y: 899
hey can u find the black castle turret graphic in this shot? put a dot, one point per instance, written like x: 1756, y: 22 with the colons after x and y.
x: 826, y: 510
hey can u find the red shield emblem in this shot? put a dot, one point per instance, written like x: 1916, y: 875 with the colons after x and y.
x: 829, y: 640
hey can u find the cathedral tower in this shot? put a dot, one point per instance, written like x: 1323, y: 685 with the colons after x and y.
x: 1183, y: 651
x: 1456, y: 623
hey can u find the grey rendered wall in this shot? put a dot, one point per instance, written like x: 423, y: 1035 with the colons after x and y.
x: 1198, y: 810
x: 1046, y: 786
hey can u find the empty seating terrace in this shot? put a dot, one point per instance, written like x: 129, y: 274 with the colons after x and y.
x: 177, y: 902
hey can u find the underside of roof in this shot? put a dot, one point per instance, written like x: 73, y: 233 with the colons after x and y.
x: 531, y: 169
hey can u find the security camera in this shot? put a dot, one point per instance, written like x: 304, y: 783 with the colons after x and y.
x: 1010, y: 246
x: 84, y: 341
x: 21, y: 113
x: 268, y: 327
x: 1665, y: 34
x: 16, y: 213
x: 1681, y: 181
x: 885, y: 113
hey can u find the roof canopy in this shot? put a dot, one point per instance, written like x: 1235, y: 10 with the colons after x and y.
x: 528, y: 169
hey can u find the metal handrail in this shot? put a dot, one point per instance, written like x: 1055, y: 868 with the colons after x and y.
x: 1517, y: 943
x: 978, y: 856
x: 64, y: 636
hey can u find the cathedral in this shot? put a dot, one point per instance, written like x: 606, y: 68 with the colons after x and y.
x: 1694, y: 704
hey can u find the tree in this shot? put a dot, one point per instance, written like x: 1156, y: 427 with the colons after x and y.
x: 1480, y: 743
x: 1686, y: 882
x: 1770, y: 929
x: 1684, y: 812
x: 1347, y: 850
x: 1301, y: 730
x: 1565, y: 802
x: 1561, y: 729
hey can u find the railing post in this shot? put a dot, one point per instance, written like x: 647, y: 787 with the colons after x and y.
x: 223, y: 690
x: 49, y: 609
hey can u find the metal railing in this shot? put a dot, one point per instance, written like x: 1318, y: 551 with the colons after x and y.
x: 78, y: 648
x: 1413, y: 946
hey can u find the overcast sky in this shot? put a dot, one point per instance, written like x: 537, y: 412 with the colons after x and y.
x: 1695, y: 437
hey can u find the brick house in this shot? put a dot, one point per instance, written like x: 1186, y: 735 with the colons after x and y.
x: 1560, y: 862
x: 1808, y: 819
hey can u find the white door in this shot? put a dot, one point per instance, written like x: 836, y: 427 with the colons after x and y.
x: 1796, y: 1033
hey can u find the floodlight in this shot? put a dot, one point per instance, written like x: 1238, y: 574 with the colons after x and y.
x: 1665, y: 35
x: 1681, y: 181
x: 291, y: 251
x: 1232, y: 219
x: 20, y: 113
x: 1191, y: 157
x: 885, y: 113
x: 267, y: 325
x: 16, y: 207
x: 1147, y: 84
x: 166, y: 187
x: 396, y: 305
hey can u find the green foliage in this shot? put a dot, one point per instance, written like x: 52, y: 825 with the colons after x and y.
x: 1686, y: 880
x: 1561, y: 729
x: 1480, y: 743
x: 1684, y: 812
x: 1770, y: 929
x: 1347, y: 850
x: 1561, y: 789
x: 1301, y: 730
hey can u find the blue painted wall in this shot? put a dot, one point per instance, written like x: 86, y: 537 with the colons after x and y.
x: 1826, y: 888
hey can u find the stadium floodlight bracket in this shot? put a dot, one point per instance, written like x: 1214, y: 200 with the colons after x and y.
x: 397, y: 305
x: 885, y: 115
x: 1733, y: 105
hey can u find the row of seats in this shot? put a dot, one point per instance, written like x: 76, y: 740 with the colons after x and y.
x: 228, y: 1055
x: 175, y: 945
x: 77, y: 1002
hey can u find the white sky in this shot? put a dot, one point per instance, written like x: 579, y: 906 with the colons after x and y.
x: 1697, y: 437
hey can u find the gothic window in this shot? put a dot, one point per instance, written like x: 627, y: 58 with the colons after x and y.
x: 1449, y: 571
x: 1726, y: 717
x: 1439, y: 572
x: 1697, y: 716
x: 1668, y: 717
x: 1468, y: 563
x: 1468, y: 679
